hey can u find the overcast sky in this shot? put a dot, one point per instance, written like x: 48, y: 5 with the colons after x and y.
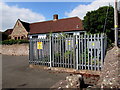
x: 42, y: 11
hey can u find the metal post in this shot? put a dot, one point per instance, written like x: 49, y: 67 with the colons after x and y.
x: 76, y: 52
x: 50, y: 51
x: 30, y: 51
x: 102, y: 50
x: 74, y: 57
x: 116, y: 22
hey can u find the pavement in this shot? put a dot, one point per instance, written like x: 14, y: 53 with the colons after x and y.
x: 17, y: 74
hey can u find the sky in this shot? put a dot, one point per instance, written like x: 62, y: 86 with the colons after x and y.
x: 34, y: 11
x: 47, y: 9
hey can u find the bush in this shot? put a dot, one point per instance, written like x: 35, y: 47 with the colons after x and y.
x: 11, y: 41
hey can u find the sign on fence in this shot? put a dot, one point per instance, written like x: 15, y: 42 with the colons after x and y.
x: 39, y: 45
x: 69, y: 44
x: 93, y: 44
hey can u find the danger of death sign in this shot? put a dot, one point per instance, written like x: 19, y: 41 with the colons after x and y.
x: 39, y: 45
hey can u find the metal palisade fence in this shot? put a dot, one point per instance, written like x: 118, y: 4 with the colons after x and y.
x: 81, y: 52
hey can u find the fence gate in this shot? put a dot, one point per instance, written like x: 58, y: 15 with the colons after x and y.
x: 78, y: 52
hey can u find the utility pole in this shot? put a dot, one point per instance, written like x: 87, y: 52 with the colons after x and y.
x: 116, y: 22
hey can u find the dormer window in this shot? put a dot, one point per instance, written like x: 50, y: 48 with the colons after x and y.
x: 77, y: 26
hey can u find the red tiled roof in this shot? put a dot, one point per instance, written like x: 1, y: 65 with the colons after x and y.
x: 60, y: 25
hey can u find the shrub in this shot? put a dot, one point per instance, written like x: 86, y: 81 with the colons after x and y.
x: 11, y: 41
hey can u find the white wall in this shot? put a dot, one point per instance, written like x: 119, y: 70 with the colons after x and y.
x: 76, y: 33
x: 42, y: 36
x: 54, y: 34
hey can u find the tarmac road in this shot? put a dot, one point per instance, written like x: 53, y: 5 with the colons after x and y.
x: 17, y: 74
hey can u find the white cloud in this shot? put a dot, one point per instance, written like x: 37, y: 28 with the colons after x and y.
x: 11, y: 13
x: 81, y: 10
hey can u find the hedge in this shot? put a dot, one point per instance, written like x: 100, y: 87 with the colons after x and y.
x: 11, y: 41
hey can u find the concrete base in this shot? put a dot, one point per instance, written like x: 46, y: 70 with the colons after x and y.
x: 68, y: 70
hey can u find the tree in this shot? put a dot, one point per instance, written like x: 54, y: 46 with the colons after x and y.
x: 94, y: 21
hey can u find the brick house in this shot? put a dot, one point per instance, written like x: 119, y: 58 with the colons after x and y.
x: 71, y: 26
x: 20, y: 30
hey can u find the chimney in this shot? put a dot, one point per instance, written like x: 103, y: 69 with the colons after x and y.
x: 55, y: 17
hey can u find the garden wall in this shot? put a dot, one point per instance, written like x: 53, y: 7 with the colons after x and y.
x: 15, y: 49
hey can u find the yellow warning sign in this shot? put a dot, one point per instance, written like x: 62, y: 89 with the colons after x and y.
x: 69, y: 42
x: 39, y: 45
x: 93, y: 44
x: 116, y: 26
x: 76, y: 42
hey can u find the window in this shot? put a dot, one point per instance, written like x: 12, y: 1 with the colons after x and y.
x: 22, y: 37
x: 81, y: 33
x: 15, y: 38
x: 70, y: 34
x: 34, y: 36
x: 18, y: 37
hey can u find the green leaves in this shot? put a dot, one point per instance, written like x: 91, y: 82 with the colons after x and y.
x: 11, y: 41
x: 94, y: 22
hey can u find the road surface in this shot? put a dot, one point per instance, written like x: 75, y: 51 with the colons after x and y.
x: 17, y: 74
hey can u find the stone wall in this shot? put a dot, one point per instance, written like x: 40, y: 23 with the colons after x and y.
x: 110, y: 74
x: 74, y: 82
x: 16, y: 49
